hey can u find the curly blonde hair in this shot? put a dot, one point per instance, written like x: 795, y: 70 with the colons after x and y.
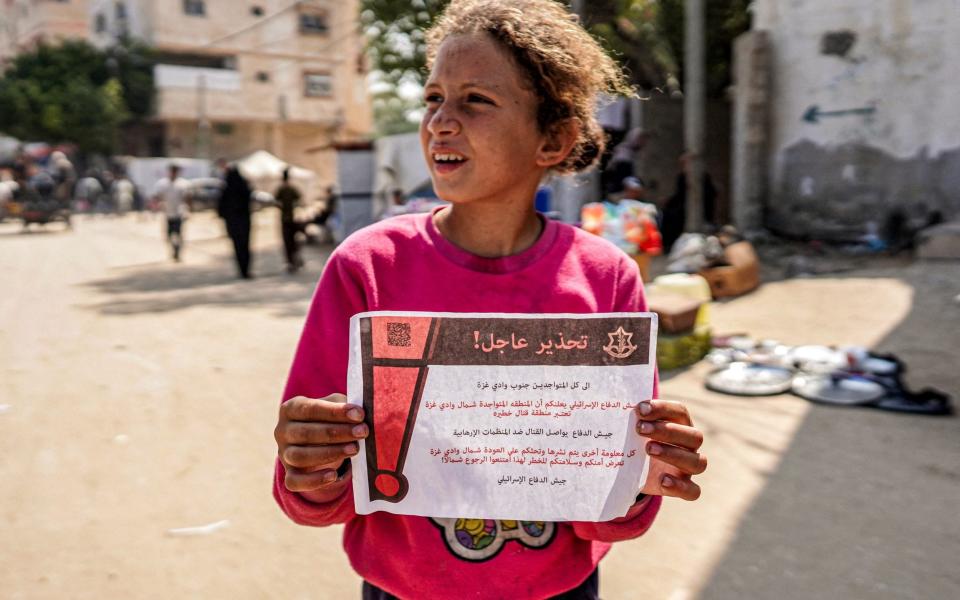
x: 566, y: 67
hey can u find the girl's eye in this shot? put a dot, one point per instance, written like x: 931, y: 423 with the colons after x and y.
x: 432, y: 98
x: 479, y: 98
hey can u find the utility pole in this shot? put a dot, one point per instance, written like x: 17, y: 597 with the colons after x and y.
x: 694, y: 105
x: 203, y: 123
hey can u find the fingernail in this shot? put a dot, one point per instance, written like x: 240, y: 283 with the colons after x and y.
x: 645, y: 408
x: 654, y: 448
x: 351, y: 449
x: 646, y: 427
x: 329, y: 476
x: 359, y: 431
x: 354, y: 414
x: 667, y: 481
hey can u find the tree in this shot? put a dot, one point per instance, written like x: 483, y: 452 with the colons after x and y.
x: 76, y: 93
x: 645, y: 35
x: 397, y: 49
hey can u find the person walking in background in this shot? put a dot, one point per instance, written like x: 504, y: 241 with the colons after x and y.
x: 123, y: 192
x: 288, y: 198
x: 65, y: 176
x: 234, y: 209
x: 623, y: 160
x: 674, y: 212
x: 172, y: 193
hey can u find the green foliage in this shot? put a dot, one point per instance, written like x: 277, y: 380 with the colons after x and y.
x: 76, y: 93
x: 397, y: 49
x: 648, y: 35
x: 724, y: 22
x: 645, y: 35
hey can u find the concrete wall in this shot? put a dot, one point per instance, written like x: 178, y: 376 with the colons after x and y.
x: 23, y: 23
x: 895, y: 61
x: 261, y: 97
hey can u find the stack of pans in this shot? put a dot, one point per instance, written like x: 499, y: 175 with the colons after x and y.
x: 839, y: 377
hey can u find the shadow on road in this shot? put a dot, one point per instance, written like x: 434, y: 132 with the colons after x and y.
x: 166, y: 287
x: 863, y: 503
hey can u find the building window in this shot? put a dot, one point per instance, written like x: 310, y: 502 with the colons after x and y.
x: 120, y: 11
x: 256, y: 11
x: 223, y: 128
x: 317, y: 85
x: 263, y: 76
x: 313, y: 22
x: 100, y: 23
x: 194, y: 7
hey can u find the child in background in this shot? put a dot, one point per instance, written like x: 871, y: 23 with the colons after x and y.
x: 510, y: 99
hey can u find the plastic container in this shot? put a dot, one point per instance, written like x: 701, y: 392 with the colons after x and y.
x: 694, y: 287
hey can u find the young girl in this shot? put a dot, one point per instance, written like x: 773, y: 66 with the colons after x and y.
x: 510, y: 99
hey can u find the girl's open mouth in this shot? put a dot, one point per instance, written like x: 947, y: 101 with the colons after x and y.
x: 447, y: 162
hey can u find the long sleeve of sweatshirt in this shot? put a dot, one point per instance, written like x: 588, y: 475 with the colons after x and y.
x: 320, y: 369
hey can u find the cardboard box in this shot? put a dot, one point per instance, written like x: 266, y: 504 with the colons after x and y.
x: 643, y: 261
x: 740, y: 275
x: 678, y: 314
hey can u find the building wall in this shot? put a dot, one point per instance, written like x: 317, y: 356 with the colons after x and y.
x: 24, y: 23
x: 898, y: 62
x: 263, y: 86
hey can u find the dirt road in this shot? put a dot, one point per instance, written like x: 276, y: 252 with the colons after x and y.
x: 138, y: 395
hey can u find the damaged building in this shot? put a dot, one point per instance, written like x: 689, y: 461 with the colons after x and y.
x: 845, y: 118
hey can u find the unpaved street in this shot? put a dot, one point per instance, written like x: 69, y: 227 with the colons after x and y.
x: 138, y: 395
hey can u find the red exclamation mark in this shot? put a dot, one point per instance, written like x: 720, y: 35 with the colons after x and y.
x: 395, y: 364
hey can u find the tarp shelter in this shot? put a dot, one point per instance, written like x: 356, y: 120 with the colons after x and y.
x: 264, y: 171
x: 144, y: 172
x: 400, y: 165
x: 9, y: 146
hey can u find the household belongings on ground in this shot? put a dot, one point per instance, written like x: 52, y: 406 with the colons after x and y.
x: 681, y: 302
x: 631, y: 225
x: 728, y: 263
x: 851, y: 376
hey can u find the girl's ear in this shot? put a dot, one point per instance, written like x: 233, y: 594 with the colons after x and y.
x: 557, y: 142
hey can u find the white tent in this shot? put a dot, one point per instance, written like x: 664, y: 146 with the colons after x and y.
x: 400, y: 165
x: 264, y: 171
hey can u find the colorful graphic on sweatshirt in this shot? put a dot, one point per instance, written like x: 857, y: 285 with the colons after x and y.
x: 478, y: 540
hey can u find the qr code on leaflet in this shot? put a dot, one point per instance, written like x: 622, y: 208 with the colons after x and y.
x: 398, y: 334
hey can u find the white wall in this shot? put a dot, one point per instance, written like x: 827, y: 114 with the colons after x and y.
x: 845, y: 170
x: 905, y: 63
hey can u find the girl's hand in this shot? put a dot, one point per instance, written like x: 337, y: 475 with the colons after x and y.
x: 314, y: 436
x: 673, y: 446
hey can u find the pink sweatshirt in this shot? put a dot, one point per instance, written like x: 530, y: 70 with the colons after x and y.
x: 404, y: 263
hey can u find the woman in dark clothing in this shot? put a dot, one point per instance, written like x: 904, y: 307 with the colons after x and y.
x: 234, y: 208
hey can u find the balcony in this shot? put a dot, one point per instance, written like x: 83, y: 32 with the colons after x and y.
x: 194, y: 78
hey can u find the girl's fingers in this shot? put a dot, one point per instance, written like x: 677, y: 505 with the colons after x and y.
x: 300, y: 480
x: 679, y: 487
x: 671, y: 433
x: 311, y: 457
x: 688, y: 462
x: 334, y: 410
x: 663, y: 410
x: 306, y: 434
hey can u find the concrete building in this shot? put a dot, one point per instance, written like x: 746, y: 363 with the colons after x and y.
x: 25, y: 23
x: 276, y: 75
x: 848, y: 106
x: 286, y: 77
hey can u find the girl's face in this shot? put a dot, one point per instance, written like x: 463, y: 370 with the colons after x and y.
x: 479, y: 133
